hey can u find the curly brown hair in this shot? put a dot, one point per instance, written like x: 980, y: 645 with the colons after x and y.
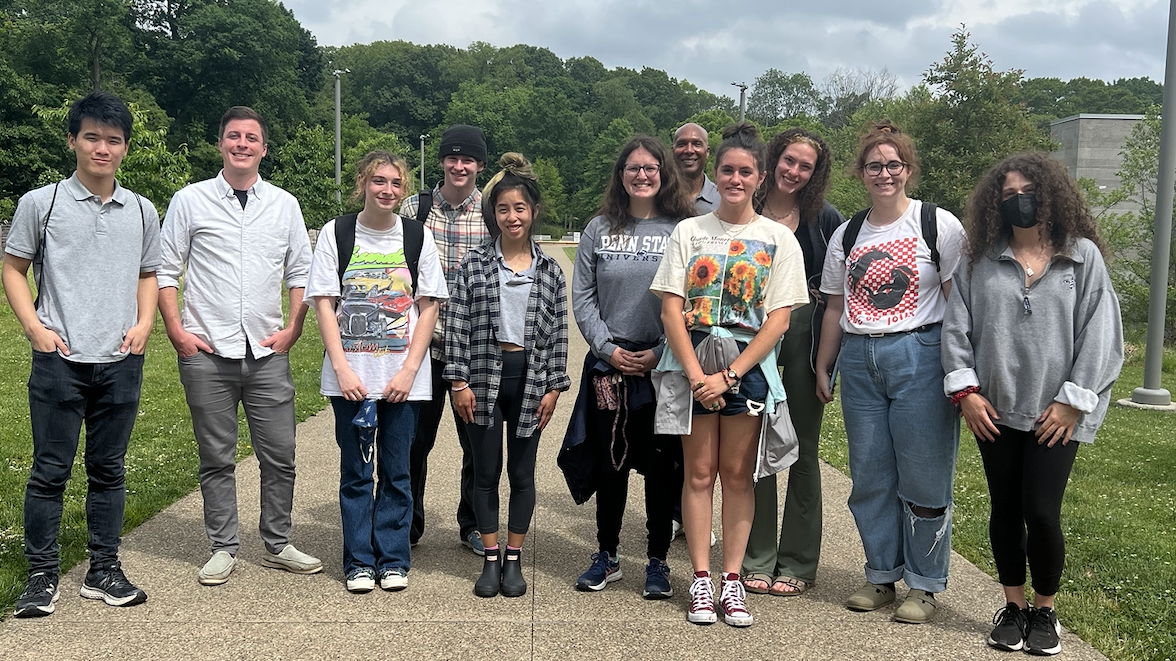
x: 672, y: 199
x: 811, y: 198
x: 1061, y: 211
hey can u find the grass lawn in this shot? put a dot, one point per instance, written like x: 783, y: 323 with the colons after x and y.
x: 161, y: 461
x: 1119, y: 516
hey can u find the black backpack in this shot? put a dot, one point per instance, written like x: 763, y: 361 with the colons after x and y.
x: 927, y: 223
x: 414, y: 240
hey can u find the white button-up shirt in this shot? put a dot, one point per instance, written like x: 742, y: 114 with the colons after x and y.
x: 236, y: 261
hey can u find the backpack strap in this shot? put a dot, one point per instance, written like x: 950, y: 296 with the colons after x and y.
x: 345, y: 243
x: 852, y: 229
x: 424, y: 206
x: 929, y: 224
x: 414, y: 242
x: 39, y: 257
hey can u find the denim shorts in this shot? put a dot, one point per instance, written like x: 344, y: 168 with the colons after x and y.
x: 752, y: 386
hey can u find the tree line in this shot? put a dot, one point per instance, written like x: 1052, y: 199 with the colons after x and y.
x: 182, y: 62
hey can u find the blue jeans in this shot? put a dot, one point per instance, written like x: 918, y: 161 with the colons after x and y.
x: 375, y: 527
x: 903, y: 438
x: 63, y: 394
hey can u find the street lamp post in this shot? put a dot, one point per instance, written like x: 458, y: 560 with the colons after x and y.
x: 742, y: 99
x: 338, y: 139
x: 423, y: 138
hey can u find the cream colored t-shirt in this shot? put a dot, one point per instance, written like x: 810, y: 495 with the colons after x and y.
x: 732, y: 275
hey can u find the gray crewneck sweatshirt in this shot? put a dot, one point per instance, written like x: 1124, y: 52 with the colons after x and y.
x: 1059, y: 340
x: 610, y: 287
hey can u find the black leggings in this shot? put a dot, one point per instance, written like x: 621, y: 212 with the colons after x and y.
x: 656, y: 456
x: 486, y: 447
x: 1026, y: 482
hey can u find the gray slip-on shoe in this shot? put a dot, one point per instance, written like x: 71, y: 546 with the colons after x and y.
x: 217, y: 569
x: 292, y: 560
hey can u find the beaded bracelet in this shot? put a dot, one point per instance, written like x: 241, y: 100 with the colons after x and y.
x: 959, y: 395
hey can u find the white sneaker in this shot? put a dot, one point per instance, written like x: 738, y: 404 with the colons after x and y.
x: 712, y: 538
x: 361, y: 580
x: 676, y: 530
x: 393, y: 579
x: 292, y: 560
x: 217, y: 569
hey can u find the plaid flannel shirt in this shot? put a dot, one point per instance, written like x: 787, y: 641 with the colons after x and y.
x: 456, y: 230
x: 471, y: 347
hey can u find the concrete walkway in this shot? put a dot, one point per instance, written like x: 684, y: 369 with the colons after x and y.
x: 265, y: 613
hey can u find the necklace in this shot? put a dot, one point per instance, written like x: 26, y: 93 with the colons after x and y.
x: 1041, y: 254
x: 772, y: 213
x: 727, y: 227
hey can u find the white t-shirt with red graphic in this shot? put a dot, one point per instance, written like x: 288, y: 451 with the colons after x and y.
x: 889, y: 282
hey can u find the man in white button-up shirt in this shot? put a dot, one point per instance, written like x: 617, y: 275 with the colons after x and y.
x: 239, y: 239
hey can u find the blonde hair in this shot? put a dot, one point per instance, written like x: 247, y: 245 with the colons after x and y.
x: 374, y: 160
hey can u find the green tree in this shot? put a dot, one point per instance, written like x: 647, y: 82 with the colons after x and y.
x: 304, y: 165
x: 553, y: 211
x: 970, y: 121
x: 777, y: 96
x: 598, y: 170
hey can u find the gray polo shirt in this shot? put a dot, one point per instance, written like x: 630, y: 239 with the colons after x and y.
x: 93, y: 256
x: 514, y: 290
x: 708, y: 198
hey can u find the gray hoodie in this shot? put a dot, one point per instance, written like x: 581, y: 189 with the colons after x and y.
x: 1059, y: 340
x: 610, y: 286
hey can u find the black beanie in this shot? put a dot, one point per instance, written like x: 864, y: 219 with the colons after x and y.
x: 464, y: 140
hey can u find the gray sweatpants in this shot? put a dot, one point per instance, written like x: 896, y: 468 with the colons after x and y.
x: 214, y: 386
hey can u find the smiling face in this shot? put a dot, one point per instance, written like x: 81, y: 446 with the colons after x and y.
x: 99, y: 148
x: 885, y: 186
x: 242, y: 146
x: 691, y: 149
x: 737, y: 176
x: 795, y: 167
x: 638, y: 181
x: 514, y: 214
x: 384, y: 189
x: 460, y: 171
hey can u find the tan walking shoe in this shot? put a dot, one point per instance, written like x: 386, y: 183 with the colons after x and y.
x: 918, y: 607
x: 870, y: 597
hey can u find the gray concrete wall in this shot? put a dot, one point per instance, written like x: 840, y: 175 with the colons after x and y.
x: 1092, y: 147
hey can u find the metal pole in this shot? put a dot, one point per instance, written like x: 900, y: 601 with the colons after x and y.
x: 423, y: 138
x: 1151, y: 393
x: 338, y: 143
x: 742, y: 99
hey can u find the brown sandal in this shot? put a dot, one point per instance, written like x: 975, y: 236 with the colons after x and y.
x: 798, y: 586
x: 762, y: 578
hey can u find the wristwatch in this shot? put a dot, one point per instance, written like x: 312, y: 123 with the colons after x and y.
x: 732, y: 375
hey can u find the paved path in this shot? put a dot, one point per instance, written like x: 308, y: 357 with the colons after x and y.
x: 264, y: 613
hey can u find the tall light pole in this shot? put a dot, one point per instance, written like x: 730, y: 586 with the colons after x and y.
x: 423, y: 138
x: 1152, y: 394
x: 338, y: 139
x: 742, y: 99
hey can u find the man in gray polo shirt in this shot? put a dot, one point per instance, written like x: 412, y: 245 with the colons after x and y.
x: 236, y: 239
x: 94, y: 248
x: 691, y: 149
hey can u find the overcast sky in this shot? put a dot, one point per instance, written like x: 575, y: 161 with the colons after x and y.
x: 713, y: 43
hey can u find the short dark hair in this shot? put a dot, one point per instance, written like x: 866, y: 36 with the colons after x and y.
x: 243, y: 112
x: 103, y: 108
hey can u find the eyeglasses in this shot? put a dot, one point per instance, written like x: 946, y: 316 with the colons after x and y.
x: 894, y: 168
x: 650, y: 170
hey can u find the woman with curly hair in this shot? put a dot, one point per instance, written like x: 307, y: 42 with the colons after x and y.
x: 1032, y: 343
x: 728, y: 282
x: 506, y: 346
x: 619, y: 253
x: 887, y: 274
x: 794, y: 196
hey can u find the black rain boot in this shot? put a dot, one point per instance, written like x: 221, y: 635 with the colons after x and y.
x: 513, y: 583
x: 488, y: 583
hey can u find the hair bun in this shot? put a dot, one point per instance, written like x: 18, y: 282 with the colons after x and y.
x: 885, y: 126
x: 516, y: 164
x: 741, y: 129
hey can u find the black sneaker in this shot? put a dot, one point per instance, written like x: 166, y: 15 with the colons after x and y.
x: 110, y: 584
x: 1011, y: 623
x: 1043, y: 636
x: 39, y: 597
x: 657, y: 580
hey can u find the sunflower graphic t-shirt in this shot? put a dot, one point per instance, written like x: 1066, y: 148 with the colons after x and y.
x: 732, y: 275
x: 889, y: 282
x: 376, y: 311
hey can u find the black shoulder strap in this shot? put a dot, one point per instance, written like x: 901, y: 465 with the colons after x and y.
x: 930, y: 226
x: 424, y: 205
x: 39, y: 256
x: 345, y: 242
x: 851, y: 231
x: 414, y: 241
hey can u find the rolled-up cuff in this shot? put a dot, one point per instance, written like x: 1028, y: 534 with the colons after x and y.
x: 1075, y: 395
x: 957, y: 380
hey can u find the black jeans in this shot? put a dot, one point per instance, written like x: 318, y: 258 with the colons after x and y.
x: 656, y: 456
x: 1026, y: 482
x: 428, y: 420
x: 486, y: 443
x: 63, y: 394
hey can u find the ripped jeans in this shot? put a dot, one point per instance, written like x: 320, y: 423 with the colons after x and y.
x: 903, y: 439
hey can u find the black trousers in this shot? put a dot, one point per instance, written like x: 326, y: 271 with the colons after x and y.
x: 428, y: 420
x: 486, y: 444
x: 654, y: 455
x: 1026, y: 482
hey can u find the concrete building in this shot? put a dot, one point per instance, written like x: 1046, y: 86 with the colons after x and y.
x: 1092, y: 146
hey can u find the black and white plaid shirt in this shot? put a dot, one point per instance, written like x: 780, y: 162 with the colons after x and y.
x: 471, y: 347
